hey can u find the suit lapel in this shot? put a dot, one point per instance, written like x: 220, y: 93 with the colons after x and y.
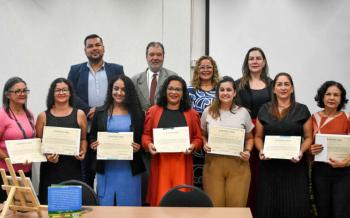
x: 108, y: 72
x: 161, y: 79
x: 104, y: 122
x: 84, y: 73
x: 142, y: 83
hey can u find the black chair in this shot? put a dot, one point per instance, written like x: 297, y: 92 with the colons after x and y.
x: 190, y: 197
x: 89, y: 197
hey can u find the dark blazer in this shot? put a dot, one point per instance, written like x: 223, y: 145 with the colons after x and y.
x: 79, y: 75
x: 99, y: 124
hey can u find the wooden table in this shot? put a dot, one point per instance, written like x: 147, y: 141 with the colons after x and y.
x: 154, y: 212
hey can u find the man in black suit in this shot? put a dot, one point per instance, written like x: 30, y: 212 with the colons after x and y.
x: 90, y: 81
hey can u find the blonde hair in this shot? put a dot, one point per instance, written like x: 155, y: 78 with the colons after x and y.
x: 196, y: 82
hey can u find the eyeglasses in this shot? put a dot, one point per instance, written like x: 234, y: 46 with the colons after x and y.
x: 20, y: 91
x: 64, y: 91
x: 170, y: 89
x: 207, y: 67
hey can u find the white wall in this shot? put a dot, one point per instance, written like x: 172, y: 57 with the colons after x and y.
x: 308, y: 39
x: 41, y: 39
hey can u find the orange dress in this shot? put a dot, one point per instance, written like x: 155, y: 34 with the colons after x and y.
x: 169, y: 169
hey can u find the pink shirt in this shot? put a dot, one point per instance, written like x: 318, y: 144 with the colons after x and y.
x: 9, y: 130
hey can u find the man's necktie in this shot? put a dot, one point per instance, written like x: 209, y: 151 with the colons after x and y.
x: 152, y: 91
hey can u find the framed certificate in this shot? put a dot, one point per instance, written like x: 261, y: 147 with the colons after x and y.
x: 281, y: 147
x: 226, y: 140
x: 336, y: 147
x: 60, y: 140
x: 115, y: 146
x: 24, y: 150
x: 170, y: 140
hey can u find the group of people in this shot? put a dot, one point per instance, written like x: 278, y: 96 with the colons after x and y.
x: 98, y: 97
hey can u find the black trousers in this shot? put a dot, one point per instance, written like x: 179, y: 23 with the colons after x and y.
x: 331, y: 188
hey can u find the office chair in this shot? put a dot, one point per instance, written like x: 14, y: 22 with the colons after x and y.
x: 191, y: 197
x: 89, y: 197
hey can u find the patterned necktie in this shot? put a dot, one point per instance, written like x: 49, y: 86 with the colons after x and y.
x: 152, y: 91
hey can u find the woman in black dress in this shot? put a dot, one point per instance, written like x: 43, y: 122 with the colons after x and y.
x: 254, y: 90
x: 60, y: 113
x: 254, y: 87
x: 282, y: 189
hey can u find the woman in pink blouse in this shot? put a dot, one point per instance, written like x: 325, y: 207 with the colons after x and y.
x: 16, y: 122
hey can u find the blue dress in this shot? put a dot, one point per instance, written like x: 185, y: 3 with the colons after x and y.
x: 117, y: 186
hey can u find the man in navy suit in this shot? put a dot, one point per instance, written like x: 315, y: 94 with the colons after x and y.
x: 90, y: 81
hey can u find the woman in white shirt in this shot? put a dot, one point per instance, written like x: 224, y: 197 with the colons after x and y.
x: 226, y: 178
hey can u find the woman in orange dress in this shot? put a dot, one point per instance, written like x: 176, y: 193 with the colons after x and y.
x: 331, y: 180
x: 173, y: 109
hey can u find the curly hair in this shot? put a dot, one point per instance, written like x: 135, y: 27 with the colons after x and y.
x: 323, y: 89
x: 196, y: 82
x: 50, y: 100
x: 244, y: 82
x: 185, y: 103
x: 131, y: 101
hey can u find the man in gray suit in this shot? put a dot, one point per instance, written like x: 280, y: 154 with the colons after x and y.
x: 155, y: 71
x: 147, y: 84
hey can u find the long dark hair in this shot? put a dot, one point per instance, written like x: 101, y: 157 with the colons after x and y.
x: 185, y: 103
x: 131, y: 101
x: 275, y: 111
x: 6, y: 101
x: 264, y: 76
x: 50, y: 100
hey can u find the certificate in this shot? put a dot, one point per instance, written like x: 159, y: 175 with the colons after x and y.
x: 171, y: 140
x: 281, y: 147
x: 114, y: 146
x: 226, y: 140
x: 60, y: 140
x: 24, y: 150
x: 334, y: 146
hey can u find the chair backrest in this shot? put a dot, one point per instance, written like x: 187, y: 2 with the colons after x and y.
x: 89, y: 197
x: 190, y: 197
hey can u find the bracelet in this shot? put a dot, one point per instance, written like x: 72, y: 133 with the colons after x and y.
x: 246, y: 149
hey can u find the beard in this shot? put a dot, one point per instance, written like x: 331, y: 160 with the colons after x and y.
x: 94, y: 60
